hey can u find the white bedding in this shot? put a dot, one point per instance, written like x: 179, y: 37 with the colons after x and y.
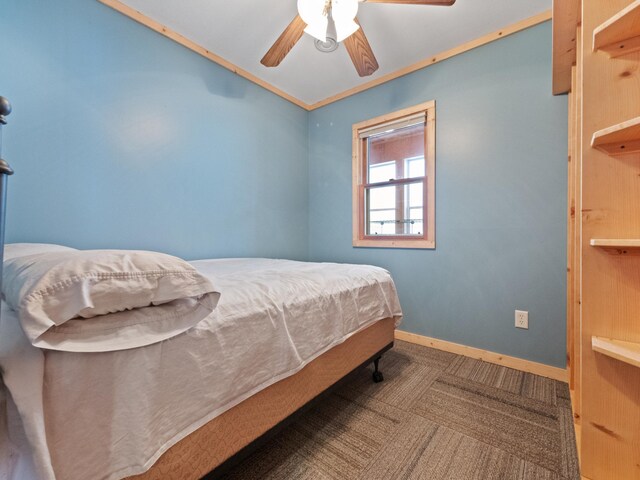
x: 110, y: 415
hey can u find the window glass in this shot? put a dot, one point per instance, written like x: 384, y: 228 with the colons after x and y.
x: 382, y: 172
x: 399, y: 151
x: 414, y: 167
x: 382, y: 222
x: 382, y: 198
x: 395, y: 210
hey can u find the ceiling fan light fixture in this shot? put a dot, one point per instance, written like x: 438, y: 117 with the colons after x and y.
x: 314, y: 14
x: 345, y: 29
x: 344, y: 13
x: 318, y: 30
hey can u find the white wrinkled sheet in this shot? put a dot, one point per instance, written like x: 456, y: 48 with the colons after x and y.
x: 110, y: 415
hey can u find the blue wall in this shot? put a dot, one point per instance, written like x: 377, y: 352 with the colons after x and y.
x: 500, y: 198
x: 121, y: 138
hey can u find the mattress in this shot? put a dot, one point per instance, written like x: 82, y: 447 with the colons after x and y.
x: 111, y: 415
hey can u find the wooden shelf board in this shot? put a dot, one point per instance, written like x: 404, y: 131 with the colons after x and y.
x: 618, y: 246
x: 621, y: 33
x: 620, y: 139
x: 628, y: 352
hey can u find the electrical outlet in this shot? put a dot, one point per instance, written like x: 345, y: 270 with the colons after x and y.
x: 522, y: 319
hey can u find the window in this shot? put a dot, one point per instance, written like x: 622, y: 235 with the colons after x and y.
x: 394, y: 179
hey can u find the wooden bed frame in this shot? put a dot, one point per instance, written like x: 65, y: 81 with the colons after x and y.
x: 231, y: 437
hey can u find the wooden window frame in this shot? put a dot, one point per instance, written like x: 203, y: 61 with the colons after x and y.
x: 359, y: 169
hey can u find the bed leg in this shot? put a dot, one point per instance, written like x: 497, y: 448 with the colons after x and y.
x: 377, y: 374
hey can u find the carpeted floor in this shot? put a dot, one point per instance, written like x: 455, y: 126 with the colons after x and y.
x: 436, y: 416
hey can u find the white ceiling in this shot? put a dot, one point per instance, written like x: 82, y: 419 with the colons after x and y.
x: 241, y: 31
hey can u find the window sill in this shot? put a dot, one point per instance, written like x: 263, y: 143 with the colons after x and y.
x: 394, y: 243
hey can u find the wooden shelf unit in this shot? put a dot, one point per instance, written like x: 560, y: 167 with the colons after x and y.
x: 604, y: 218
x: 621, y: 33
x: 627, y: 352
x: 620, y: 139
x: 618, y: 246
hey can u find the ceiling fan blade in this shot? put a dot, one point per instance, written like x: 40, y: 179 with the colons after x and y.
x: 443, y: 3
x: 284, y: 43
x: 360, y: 52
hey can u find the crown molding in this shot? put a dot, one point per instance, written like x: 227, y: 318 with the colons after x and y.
x: 193, y: 46
x: 432, y: 60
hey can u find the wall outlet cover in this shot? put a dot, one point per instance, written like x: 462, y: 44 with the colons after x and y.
x: 522, y: 319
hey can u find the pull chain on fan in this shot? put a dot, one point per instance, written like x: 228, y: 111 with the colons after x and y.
x: 331, y: 22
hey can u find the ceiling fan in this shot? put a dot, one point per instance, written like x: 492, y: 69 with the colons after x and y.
x: 331, y: 22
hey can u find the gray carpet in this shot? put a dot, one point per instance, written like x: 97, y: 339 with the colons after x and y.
x: 436, y: 416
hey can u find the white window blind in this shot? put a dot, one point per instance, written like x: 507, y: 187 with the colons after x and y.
x: 393, y: 125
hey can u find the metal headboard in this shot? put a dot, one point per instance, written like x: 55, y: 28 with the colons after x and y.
x: 5, y: 171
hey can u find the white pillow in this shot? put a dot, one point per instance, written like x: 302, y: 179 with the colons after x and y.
x: 105, y: 300
x: 13, y: 250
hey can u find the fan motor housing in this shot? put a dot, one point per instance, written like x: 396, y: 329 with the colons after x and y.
x: 329, y: 46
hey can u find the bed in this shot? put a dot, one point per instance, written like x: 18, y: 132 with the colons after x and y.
x: 282, y: 334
